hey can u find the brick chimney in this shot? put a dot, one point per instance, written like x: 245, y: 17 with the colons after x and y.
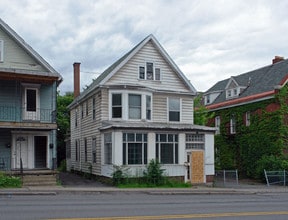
x: 76, y: 67
x: 277, y: 59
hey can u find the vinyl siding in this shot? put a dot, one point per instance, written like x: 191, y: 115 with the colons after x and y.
x: 16, y: 57
x: 128, y: 74
x: 86, y: 128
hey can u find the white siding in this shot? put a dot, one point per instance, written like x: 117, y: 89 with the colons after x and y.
x: 16, y: 57
x: 128, y: 74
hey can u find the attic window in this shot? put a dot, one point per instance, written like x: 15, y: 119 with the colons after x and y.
x: 232, y: 93
x: 149, y: 72
x: 1, y: 50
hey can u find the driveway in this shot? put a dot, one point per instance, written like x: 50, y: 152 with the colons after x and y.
x: 75, y: 180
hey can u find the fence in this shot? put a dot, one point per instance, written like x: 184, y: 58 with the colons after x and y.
x: 226, y: 177
x: 279, y: 177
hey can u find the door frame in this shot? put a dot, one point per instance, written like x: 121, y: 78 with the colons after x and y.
x: 29, y: 135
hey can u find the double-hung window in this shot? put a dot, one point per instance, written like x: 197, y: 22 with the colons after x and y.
x: 108, y: 148
x: 85, y: 150
x: 1, y: 50
x: 174, y: 109
x: 233, y: 124
x: 134, y: 103
x: 117, y: 105
x: 148, y: 107
x: 94, y: 149
x: 247, y: 118
x: 217, y: 124
x: 134, y: 148
x: 149, y: 72
x: 94, y: 108
x: 167, y: 148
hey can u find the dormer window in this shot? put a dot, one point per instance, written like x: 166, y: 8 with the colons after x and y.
x: 149, y: 72
x: 232, y: 93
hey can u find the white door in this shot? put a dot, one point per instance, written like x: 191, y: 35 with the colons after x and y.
x: 21, y: 152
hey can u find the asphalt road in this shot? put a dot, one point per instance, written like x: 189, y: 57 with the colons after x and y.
x: 135, y: 205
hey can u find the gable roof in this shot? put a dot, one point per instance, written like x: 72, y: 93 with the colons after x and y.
x: 20, y: 41
x: 259, y: 84
x: 111, y: 70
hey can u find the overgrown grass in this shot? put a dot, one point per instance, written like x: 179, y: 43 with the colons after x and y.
x: 7, y: 181
x: 166, y: 184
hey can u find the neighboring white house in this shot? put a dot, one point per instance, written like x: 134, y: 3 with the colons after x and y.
x: 140, y: 108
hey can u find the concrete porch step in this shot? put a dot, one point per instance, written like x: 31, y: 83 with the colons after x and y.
x: 39, y: 180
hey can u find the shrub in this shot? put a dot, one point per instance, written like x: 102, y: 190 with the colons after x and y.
x: 119, y: 174
x: 9, y: 181
x: 270, y: 163
x: 154, y: 174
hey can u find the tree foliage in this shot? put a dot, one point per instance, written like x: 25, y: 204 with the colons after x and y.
x: 201, y: 114
x: 63, y: 123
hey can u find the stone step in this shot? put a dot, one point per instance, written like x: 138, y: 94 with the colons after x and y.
x: 40, y: 180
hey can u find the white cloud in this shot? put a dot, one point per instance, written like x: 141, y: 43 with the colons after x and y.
x: 209, y: 40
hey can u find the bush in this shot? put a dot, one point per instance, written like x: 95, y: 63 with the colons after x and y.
x: 9, y: 181
x: 154, y: 174
x: 63, y: 166
x: 119, y: 174
x: 270, y: 163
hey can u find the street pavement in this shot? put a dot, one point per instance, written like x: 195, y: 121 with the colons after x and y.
x: 72, y: 183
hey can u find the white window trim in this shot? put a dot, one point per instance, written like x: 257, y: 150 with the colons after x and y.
x: 125, y: 104
x: 1, y: 50
x: 167, y: 103
x: 247, y: 115
x: 232, y: 125
x: 26, y: 115
x: 217, y: 124
x: 145, y: 71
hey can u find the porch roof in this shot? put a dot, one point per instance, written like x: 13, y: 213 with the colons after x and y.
x: 155, y: 126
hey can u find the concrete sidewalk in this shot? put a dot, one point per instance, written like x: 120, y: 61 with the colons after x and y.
x: 192, y: 190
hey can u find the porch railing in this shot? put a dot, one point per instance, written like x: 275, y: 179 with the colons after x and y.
x: 18, y: 114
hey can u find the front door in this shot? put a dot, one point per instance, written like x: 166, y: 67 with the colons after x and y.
x: 40, y: 149
x: 197, y: 167
x: 21, y: 152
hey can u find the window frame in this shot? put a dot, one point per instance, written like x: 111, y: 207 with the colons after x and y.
x: 125, y: 105
x: 248, y: 118
x: 132, y: 107
x: 233, y: 124
x: 161, y: 143
x: 94, y: 146
x: 93, y: 108
x: 108, y: 148
x: 117, y: 106
x: 194, y: 141
x: 142, y: 143
x: 143, y: 73
x: 217, y: 124
x: 170, y: 111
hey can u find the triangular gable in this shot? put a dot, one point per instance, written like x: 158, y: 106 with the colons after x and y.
x: 111, y: 70
x: 165, y: 55
x: 232, y: 83
x: 29, y: 50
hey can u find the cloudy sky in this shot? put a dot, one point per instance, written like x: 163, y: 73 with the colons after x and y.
x: 209, y: 40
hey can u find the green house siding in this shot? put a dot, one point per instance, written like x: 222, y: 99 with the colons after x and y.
x: 5, y: 149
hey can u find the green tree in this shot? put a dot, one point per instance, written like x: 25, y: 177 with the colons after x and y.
x: 201, y: 114
x: 63, y: 122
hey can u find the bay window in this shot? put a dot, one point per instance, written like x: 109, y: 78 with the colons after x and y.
x: 134, y: 104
